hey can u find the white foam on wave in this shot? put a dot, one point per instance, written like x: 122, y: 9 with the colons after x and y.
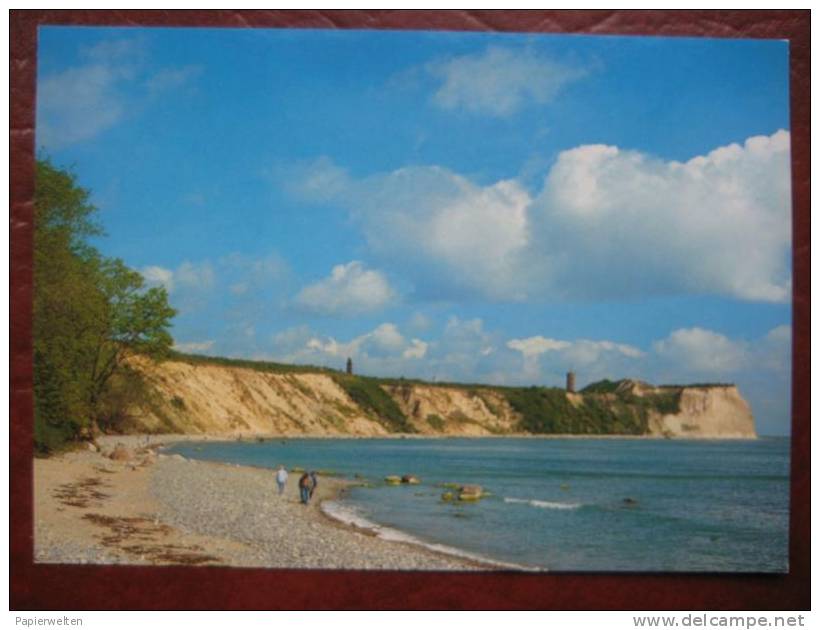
x: 351, y: 516
x: 545, y: 505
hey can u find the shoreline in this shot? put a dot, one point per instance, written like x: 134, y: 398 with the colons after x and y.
x: 155, y: 439
x: 158, y: 509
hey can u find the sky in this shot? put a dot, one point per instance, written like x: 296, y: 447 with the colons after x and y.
x: 483, y: 208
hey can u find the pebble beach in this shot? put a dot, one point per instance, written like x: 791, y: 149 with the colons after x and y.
x: 153, y: 508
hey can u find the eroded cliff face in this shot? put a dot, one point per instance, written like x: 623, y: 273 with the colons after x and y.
x: 713, y: 412
x: 237, y: 401
x: 436, y: 410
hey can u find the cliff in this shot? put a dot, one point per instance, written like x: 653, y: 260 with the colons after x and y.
x: 241, y: 398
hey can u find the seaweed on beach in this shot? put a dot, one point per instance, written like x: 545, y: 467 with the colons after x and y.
x: 82, y: 493
x: 137, y: 536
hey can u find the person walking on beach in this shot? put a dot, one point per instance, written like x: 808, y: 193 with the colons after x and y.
x: 281, y: 478
x: 304, y: 488
x: 313, y: 482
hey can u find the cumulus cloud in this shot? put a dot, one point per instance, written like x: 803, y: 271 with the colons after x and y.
x: 596, y: 358
x: 417, y: 350
x: 194, y: 346
x: 703, y: 351
x: 435, y: 220
x: 533, y: 346
x: 706, y: 353
x: 608, y: 223
x: 499, y: 81
x: 110, y: 83
x: 383, y: 350
x: 351, y: 289
x: 194, y: 275
x: 611, y: 222
x: 159, y: 276
x: 78, y: 104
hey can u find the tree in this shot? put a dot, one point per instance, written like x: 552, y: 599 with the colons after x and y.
x: 89, y: 311
x: 134, y: 322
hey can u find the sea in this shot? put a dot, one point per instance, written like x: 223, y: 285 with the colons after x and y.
x: 568, y: 504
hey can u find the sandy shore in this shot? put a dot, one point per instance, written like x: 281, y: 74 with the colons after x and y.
x: 164, y: 509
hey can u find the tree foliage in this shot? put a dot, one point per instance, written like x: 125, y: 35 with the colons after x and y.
x: 89, y: 312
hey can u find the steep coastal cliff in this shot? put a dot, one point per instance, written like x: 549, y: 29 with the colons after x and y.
x: 238, y: 398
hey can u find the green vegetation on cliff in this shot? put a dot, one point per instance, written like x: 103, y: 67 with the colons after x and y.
x: 370, y: 396
x: 605, y: 407
x: 548, y: 410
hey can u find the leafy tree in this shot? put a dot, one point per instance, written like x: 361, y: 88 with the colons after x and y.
x: 89, y: 312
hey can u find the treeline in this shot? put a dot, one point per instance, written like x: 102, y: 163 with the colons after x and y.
x: 89, y: 313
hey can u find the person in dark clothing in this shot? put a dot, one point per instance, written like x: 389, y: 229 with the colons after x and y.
x: 304, y: 488
x: 313, y: 483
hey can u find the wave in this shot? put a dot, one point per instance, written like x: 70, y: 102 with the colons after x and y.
x: 546, y: 505
x: 352, y: 517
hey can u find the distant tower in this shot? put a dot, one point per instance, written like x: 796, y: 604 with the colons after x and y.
x: 349, y: 369
x: 571, y: 382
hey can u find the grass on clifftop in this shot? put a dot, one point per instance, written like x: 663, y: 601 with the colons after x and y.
x: 259, y: 366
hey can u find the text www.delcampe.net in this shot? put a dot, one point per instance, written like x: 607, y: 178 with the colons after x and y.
x: 719, y: 621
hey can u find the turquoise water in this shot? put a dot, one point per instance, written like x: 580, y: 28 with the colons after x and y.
x: 559, y: 504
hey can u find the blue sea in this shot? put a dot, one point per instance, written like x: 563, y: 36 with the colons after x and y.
x: 560, y: 504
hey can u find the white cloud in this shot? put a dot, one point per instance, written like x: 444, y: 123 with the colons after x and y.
x: 612, y: 222
x: 543, y: 356
x: 351, y: 289
x: 314, y: 180
x: 533, y: 346
x: 499, y: 81
x: 587, y: 352
x: 383, y: 350
x: 194, y: 275
x: 82, y: 101
x: 434, y: 220
x: 159, y: 276
x: 78, y: 104
x: 194, y: 346
x: 703, y: 351
x: 608, y: 224
x: 417, y: 350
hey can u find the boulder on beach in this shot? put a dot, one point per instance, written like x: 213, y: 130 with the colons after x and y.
x: 392, y: 480
x: 121, y: 453
x: 92, y: 447
x: 411, y: 479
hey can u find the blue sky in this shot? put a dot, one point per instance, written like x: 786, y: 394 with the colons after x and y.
x: 471, y: 207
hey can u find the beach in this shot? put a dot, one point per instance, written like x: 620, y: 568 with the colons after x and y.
x: 153, y: 508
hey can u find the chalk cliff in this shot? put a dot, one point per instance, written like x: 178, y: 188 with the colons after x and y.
x: 199, y: 397
x: 714, y: 412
